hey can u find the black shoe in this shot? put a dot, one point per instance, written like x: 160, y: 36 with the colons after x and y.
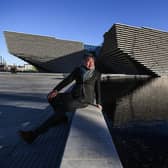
x: 28, y: 136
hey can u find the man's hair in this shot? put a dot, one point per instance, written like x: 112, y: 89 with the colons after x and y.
x: 89, y: 54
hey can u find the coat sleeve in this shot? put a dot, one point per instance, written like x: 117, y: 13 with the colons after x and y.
x: 98, y: 89
x: 70, y: 78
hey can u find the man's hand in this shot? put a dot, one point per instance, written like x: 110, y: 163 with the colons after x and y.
x: 52, y: 94
x: 99, y: 106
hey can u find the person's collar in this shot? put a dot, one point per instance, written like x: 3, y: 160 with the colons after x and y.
x: 85, y: 67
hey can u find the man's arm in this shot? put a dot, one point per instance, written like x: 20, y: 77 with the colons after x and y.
x: 61, y: 85
x: 66, y: 81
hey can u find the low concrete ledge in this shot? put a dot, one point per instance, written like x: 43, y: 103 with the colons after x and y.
x: 89, y: 144
x: 121, y: 76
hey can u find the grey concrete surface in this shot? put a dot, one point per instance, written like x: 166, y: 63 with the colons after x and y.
x: 23, y: 105
x: 134, y: 50
x: 89, y: 142
x: 46, y: 53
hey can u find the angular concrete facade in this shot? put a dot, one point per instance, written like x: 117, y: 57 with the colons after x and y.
x: 46, y: 53
x: 133, y: 50
x: 125, y: 50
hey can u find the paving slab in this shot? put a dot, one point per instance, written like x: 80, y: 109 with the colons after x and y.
x: 23, y: 106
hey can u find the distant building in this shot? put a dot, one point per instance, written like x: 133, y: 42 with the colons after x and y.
x: 2, y: 67
x: 96, y: 49
x: 134, y: 50
x: 125, y: 50
x: 20, y: 68
x: 24, y: 68
x: 46, y: 53
x: 2, y: 64
x: 28, y: 67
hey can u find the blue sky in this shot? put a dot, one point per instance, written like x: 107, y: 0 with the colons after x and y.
x: 84, y: 21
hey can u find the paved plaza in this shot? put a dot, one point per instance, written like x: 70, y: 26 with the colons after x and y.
x: 23, y: 105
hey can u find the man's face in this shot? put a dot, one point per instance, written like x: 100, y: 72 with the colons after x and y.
x: 89, y: 62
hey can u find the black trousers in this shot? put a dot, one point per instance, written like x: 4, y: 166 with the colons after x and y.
x: 62, y: 103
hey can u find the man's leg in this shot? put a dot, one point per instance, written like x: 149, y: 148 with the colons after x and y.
x: 58, y: 105
x: 50, y: 122
x: 61, y: 104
